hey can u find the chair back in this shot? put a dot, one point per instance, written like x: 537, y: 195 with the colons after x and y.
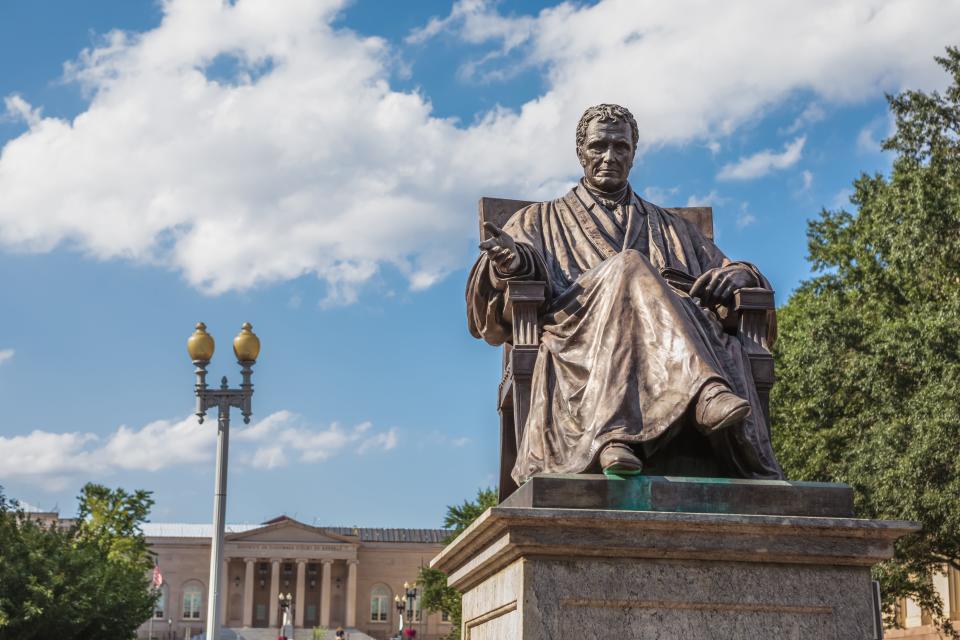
x: 499, y: 210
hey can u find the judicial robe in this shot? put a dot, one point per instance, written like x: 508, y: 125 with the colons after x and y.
x: 623, y: 355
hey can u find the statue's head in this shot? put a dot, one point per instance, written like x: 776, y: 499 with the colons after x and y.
x: 607, y: 137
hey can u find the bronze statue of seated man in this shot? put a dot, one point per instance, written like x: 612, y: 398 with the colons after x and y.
x: 632, y: 352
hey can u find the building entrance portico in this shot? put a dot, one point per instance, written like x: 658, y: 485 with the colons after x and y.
x: 335, y: 576
x: 316, y: 567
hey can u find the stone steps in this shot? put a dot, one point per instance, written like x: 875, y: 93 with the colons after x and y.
x: 260, y: 634
x: 299, y: 634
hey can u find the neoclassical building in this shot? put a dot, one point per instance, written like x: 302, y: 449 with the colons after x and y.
x: 915, y: 623
x: 335, y: 576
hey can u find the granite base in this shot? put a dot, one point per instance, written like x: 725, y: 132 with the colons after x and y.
x: 550, y: 573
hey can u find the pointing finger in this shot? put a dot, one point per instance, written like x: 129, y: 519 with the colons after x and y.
x: 492, y: 229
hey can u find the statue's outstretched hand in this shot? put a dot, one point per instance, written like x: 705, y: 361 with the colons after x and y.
x: 717, y: 286
x: 501, y: 249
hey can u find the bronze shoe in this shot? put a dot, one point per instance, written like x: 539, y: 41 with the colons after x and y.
x: 618, y: 459
x: 719, y: 407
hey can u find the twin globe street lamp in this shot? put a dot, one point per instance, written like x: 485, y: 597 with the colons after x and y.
x: 286, y: 613
x: 411, y: 596
x: 200, y: 346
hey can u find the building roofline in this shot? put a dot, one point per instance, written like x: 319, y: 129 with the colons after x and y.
x: 204, y: 531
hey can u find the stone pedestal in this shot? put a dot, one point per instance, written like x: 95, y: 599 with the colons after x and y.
x: 681, y: 568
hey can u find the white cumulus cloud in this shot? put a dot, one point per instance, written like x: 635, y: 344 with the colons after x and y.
x: 19, y: 109
x: 284, y: 435
x: 662, y: 196
x: 158, y: 445
x: 6, y: 355
x: 763, y: 162
x: 252, y: 142
x: 812, y: 114
x: 745, y: 218
x: 48, y: 459
x: 268, y: 458
x: 54, y: 460
x: 709, y: 200
x: 870, y: 138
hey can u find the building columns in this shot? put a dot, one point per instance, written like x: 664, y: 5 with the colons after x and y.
x: 325, y: 588
x: 274, y: 591
x: 301, y: 593
x: 351, y: 593
x: 248, y: 577
x: 326, y: 591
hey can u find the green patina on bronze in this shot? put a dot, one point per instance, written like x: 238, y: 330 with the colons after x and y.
x: 684, y: 494
x: 630, y: 492
x: 637, y: 493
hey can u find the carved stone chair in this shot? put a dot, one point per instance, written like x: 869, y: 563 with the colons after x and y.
x: 747, y: 319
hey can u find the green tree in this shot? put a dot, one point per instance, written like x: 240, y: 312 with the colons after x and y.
x: 88, y: 580
x: 868, y: 359
x: 435, y: 594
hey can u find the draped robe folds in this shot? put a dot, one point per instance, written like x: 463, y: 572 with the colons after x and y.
x: 623, y: 355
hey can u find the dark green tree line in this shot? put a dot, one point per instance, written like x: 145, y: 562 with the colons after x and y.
x: 868, y: 358
x: 88, y: 580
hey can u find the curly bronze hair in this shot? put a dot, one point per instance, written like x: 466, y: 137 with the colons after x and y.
x: 607, y: 113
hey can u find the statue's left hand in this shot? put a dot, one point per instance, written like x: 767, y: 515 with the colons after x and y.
x: 716, y: 286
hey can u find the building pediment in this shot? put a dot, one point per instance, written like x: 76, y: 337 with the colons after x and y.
x: 288, y: 530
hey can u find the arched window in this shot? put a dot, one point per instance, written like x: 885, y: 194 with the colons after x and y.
x: 192, y: 597
x: 160, y: 608
x: 379, y: 603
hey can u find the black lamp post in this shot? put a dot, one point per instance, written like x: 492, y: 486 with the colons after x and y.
x: 200, y: 346
x: 286, y: 605
x: 399, y: 604
x: 411, y: 594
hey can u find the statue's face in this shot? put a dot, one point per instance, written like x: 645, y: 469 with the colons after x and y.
x: 607, y: 154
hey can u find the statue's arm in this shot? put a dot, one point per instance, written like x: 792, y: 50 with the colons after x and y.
x: 711, y: 257
x: 752, y: 275
x: 485, y: 293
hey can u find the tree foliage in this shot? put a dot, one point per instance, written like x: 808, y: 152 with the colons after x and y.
x: 89, y: 580
x: 436, y: 595
x: 868, y: 359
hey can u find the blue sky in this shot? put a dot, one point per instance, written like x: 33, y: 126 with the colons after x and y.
x: 313, y: 167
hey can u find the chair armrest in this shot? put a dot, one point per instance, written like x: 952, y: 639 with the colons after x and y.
x: 752, y: 304
x: 522, y: 302
x: 752, y: 307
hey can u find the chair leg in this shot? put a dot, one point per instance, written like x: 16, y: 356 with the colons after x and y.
x: 763, y: 390
x: 508, y: 452
x: 753, y: 306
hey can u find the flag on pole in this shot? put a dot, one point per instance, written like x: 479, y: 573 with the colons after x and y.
x: 157, y: 576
